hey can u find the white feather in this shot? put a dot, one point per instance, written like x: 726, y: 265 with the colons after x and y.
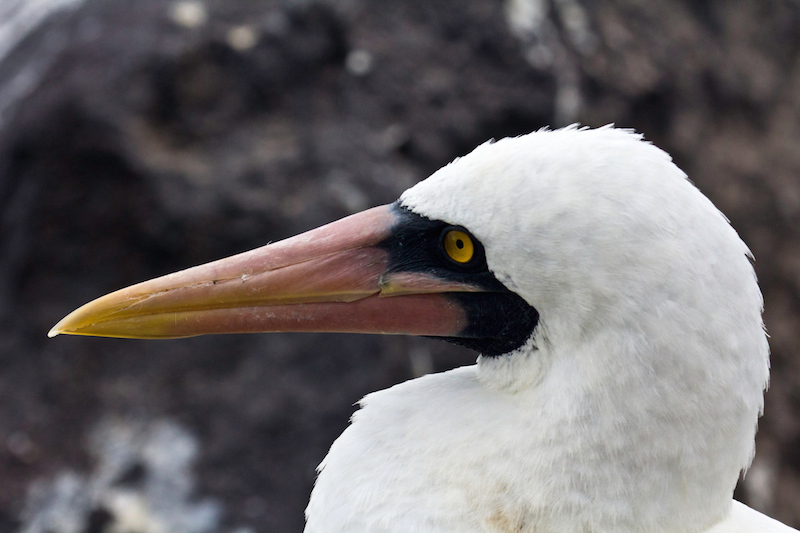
x: 634, y: 405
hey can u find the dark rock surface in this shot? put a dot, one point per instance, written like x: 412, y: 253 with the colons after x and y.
x: 154, y: 136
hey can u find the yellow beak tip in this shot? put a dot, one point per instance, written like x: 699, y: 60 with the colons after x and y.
x: 62, y: 327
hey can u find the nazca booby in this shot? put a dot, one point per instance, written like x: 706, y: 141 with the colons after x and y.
x: 616, y: 312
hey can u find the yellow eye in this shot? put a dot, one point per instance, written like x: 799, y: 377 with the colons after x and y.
x: 458, y: 246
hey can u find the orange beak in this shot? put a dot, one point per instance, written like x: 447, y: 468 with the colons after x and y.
x: 336, y: 278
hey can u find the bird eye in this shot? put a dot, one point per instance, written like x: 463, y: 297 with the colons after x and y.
x: 458, y: 246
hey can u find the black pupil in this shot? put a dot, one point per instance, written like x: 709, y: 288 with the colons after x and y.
x: 459, y: 244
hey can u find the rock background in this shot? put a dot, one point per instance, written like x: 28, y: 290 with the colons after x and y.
x: 137, y: 138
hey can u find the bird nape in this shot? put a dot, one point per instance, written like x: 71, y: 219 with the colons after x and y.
x: 622, y: 354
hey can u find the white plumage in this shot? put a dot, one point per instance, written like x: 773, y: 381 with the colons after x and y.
x: 633, y: 406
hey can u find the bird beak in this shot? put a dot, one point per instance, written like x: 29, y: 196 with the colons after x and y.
x: 335, y: 278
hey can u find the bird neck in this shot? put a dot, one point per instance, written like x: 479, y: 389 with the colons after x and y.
x: 631, y: 434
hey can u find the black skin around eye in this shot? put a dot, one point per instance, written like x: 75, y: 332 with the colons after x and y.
x: 500, y: 321
x: 417, y: 245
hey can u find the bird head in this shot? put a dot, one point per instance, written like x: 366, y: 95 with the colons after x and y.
x: 601, y: 234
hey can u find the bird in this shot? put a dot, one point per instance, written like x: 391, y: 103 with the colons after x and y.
x: 622, y: 357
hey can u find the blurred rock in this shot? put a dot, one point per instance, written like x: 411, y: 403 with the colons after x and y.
x: 137, y: 138
x: 143, y: 483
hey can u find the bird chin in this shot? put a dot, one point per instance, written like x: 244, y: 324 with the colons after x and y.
x: 515, y: 372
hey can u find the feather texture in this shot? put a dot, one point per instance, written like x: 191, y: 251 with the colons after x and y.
x: 632, y: 407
